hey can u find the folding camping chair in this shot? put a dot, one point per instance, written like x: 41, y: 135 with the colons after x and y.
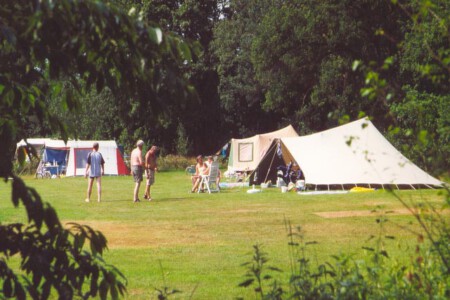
x: 210, y: 180
x: 190, y: 170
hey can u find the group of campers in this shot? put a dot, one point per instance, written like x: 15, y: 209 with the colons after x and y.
x: 139, y: 166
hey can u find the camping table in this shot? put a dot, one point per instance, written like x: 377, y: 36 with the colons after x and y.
x: 54, y: 170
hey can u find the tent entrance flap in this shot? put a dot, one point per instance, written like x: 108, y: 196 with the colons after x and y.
x: 267, y: 167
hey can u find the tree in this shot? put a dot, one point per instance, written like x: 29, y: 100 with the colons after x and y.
x: 294, y: 62
x: 303, y: 52
x: 424, y: 60
x: 42, y: 42
x: 414, y: 82
x: 97, y: 117
x: 241, y: 94
x: 193, y: 20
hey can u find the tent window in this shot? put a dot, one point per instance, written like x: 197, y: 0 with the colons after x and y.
x: 245, y: 153
x: 81, y: 157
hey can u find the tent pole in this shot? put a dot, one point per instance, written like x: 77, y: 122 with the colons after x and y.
x: 270, y: 166
x: 247, y: 177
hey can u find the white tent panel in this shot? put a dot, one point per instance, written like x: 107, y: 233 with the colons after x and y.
x: 245, y: 152
x: 79, y: 150
x: 355, y: 153
x: 55, y: 144
x: 33, y: 141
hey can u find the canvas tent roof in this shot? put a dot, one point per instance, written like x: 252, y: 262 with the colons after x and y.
x: 352, y: 154
x: 39, y: 143
x: 33, y: 141
x: 245, y: 154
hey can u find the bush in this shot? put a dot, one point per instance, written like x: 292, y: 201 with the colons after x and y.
x: 175, y: 162
x: 178, y: 162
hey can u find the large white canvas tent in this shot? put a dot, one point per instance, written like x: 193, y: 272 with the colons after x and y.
x: 355, y: 154
x: 76, y: 165
x: 245, y: 154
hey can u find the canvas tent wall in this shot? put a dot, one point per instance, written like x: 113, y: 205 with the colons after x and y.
x: 39, y: 144
x: 114, y: 163
x: 245, y: 154
x: 55, y: 159
x: 355, y: 154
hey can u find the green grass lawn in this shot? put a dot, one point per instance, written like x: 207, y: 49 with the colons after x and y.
x: 196, y: 243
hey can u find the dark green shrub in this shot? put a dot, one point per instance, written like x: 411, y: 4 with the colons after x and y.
x: 175, y: 162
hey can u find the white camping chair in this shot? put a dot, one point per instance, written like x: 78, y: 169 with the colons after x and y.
x: 210, y: 180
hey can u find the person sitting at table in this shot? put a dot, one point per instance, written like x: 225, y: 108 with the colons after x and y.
x: 201, y: 168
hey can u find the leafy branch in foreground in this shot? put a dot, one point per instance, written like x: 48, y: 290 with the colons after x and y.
x: 53, y: 257
x: 378, y: 276
x: 257, y: 276
x: 434, y: 224
x: 165, y: 292
x: 41, y: 43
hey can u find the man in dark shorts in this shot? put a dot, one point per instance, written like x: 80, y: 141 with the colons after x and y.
x: 150, y: 168
x: 95, y: 168
x: 137, y: 168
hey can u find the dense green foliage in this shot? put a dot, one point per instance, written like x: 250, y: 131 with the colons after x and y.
x: 118, y: 70
x: 262, y: 64
x: 90, y: 45
x: 184, y: 113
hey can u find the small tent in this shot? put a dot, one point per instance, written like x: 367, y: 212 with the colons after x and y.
x: 245, y: 154
x: 354, y: 154
x: 114, y: 163
x: 39, y: 144
x: 52, y: 153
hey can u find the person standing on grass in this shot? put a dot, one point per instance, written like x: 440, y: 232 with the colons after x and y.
x: 95, y: 169
x: 151, y: 167
x: 137, y: 168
